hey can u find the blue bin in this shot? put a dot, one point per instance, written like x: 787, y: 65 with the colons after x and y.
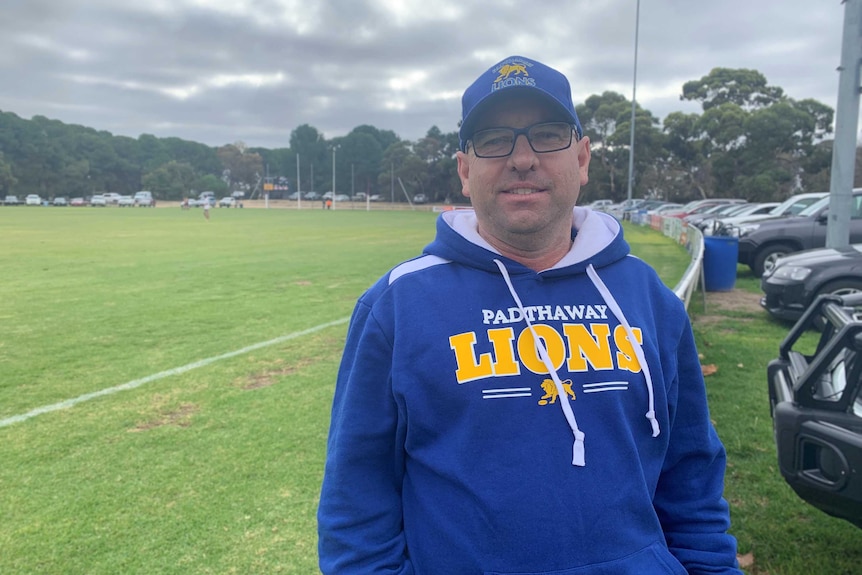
x: 720, y: 254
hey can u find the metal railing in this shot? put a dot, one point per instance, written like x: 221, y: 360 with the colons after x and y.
x: 686, y: 235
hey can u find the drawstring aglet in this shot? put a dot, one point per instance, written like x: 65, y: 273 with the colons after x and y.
x: 578, y: 450
x: 654, y: 422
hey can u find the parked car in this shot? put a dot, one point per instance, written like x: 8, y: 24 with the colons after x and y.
x: 32, y: 200
x: 111, y: 198
x: 641, y: 213
x: 98, y: 201
x: 762, y: 243
x: 60, y: 201
x: 77, y: 202
x: 342, y: 198
x: 420, y: 199
x: 789, y: 207
x: 11, y: 201
x: 126, y: 202
x: 145, y: 199
x: 311, y: 196
x: 795, y: 281
x: 712, y: 211
x: 617, y: 210
x: 294, y: 196
x: 700, y: 206
x: 816, y: 408
x: 375, y: 198
x: 600, y: 204
x: 227, y: 202
x: 359, y: 197
x: 665, y: 209
x: 710, y: 222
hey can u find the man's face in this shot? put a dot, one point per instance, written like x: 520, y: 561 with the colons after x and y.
x: 523, y: 200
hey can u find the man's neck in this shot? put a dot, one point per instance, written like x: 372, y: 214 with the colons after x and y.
x: 537, y: 257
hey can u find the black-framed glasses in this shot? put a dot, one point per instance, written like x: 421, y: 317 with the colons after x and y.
x: 543, y: 137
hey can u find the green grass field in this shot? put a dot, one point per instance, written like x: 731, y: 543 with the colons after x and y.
x: 214, y: 467
x: 213, y: 470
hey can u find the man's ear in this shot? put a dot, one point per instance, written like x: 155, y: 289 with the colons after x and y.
x: 584, y: 156
x: 464, y: 172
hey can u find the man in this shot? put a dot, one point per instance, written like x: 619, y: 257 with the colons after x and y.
x: 524, y: 397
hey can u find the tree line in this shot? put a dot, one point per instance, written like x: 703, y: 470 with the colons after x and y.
x: 750, y: 141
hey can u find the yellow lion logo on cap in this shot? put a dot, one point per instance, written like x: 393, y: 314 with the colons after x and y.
x: 509, y: 69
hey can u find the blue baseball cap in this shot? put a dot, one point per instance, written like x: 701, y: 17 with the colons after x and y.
x: 516, y: 73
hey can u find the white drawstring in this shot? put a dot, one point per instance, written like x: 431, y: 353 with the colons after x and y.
x: 638, y: 348
x: 578, y: 447
x: 578, y: 457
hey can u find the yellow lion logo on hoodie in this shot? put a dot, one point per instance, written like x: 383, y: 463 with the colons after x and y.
x: 551, y: 392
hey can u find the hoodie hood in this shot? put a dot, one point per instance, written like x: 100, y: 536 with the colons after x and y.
x: 597, y: 242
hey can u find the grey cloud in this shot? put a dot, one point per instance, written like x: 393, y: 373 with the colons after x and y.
x: 108, y: 65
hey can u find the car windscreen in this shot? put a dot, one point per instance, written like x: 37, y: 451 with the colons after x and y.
x: 815, y: 207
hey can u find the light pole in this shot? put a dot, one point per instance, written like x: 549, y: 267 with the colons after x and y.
x: 333, y: 176
x: 634, y: 102
x: 298, y: 187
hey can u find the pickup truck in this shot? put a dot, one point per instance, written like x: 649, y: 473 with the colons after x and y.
x: 816, y: 407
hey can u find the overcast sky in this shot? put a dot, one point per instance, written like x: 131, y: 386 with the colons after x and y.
x: 220, y: 71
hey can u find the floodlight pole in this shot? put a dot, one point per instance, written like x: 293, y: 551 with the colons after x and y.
x: 298, y: 188
x: 333, y: 177
x: 846, y: 124
x: 634, y: 103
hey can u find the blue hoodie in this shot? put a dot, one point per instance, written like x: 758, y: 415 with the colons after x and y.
x: 490, y: 419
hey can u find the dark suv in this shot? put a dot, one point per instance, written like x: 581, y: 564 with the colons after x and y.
x: 763, y: 242
x: 816, y: 408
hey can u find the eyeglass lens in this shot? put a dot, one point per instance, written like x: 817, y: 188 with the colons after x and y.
x: 544, y: 137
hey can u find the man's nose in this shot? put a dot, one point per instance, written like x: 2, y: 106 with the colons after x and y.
x: 522, y: 157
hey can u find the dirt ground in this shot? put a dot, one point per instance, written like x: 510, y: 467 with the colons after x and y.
x: 734, y: 299
x: 718, y: 301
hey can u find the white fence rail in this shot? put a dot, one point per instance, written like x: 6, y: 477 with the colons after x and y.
x: 688, y: 236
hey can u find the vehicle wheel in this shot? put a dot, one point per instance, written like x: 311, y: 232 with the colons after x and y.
x: 841, y: 287
x: 838, y: 287
x: 765, y: 258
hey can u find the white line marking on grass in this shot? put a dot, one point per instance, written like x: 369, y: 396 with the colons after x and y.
x: 162, y: 374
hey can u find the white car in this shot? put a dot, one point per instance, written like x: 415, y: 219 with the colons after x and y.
x: 32, y: 200
x: 126, y: 201
x: 227, y: 202
x: 98, y: 200
x: 600, y: 204
x: 144, y: 199
x: 111, y: 198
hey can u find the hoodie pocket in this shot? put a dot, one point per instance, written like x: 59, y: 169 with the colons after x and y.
x: 652, y: 560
